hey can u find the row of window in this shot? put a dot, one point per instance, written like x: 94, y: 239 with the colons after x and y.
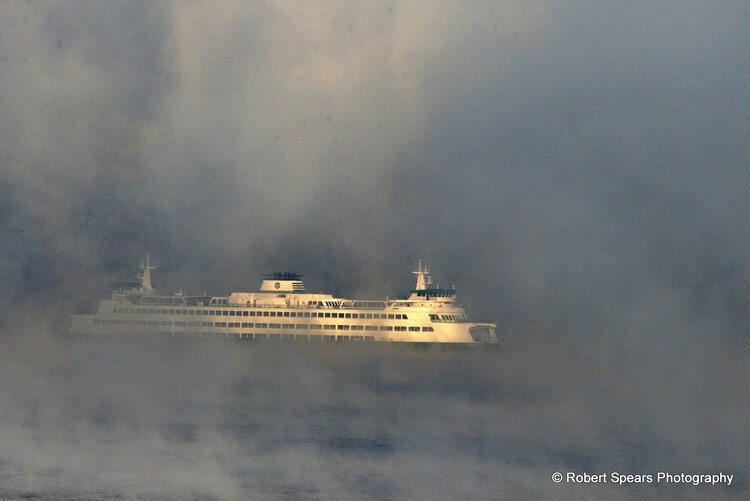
x: 249, y: 325
x: 324, y: 337
x: 257, y: 313
x: 447, y: 318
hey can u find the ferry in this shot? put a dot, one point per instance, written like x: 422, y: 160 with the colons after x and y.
x: 282, y: 309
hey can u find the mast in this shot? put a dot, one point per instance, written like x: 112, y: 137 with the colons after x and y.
x: 423, y: 276
x: 146, y: 268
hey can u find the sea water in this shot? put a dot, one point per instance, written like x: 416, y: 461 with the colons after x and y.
x: 124, y: 418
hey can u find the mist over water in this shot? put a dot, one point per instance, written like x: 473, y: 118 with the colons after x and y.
x: 202, y: 418
x: 578, y: 171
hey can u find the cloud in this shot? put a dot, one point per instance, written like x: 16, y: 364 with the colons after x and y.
x: 578, y: 171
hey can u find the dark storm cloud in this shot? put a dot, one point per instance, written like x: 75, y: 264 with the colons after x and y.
x: 578, y: 170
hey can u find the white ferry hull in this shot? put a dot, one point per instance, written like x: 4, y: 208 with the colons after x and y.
x: 111, y: 320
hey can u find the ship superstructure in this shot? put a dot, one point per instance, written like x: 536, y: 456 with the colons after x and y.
x: 283, y: 309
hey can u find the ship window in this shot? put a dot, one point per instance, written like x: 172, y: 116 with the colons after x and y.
x: 265, y: 313
x: 348, y: 315
x: 180, y: 324
x: 390, y: 316
x: 234, y: 324
x: 232, y: 313
x: 404, y: 317
x: 368, y: 315
x: 315, y: 327
x: 274, y: 326
x: 386, y: 328
x: 246, y: 325
x: 371, y: 327
x: 306, y: 314
x: 261, y: 326
x: 427, y: 329
x: 293, y: 314
x: 302, y: 326
x: 328, y: 315
x: 401, y: 328
x: 330, y: 327
x: 413, y: 329
x: 244, y: 313
x: 343, y: 327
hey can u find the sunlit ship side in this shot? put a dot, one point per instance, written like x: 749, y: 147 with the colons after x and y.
x: 282, y: 309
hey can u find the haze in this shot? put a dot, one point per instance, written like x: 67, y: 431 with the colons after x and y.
x: 578, y: 170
